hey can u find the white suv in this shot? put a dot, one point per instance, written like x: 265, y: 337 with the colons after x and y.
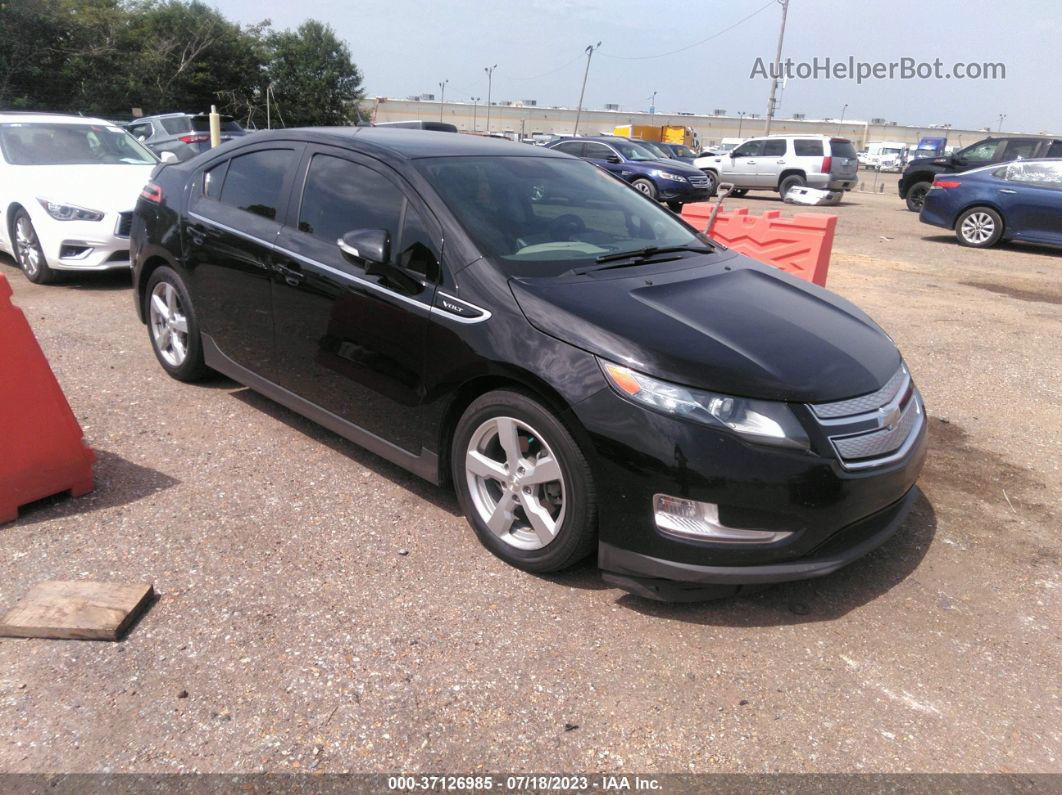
x: 68, y: 186
x: 781, y: 162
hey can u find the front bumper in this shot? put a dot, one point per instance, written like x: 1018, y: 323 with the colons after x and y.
x: 84, y: 245
x: 673, y: 581
x: 685, y: 194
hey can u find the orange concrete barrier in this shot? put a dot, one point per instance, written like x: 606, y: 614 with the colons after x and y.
x: 41, y: 447
x: 799, y: 244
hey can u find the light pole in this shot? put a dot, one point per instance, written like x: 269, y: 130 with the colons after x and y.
x: 442, y: 97
x: 777, y: 69
x: 652, y: 107
x: 1001, y: 117
x: 845, y: 108
x: 589, y: 54
x: 475, y: 104
x: 490, y: 78
x: 741, y: 120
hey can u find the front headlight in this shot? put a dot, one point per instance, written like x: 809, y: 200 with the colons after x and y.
x: 667, y: 175
x: 69, y: 212
x: 764, y: 421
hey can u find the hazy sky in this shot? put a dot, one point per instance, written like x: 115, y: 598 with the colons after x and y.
x: 407, y: 47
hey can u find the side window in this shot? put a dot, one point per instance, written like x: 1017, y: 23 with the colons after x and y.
x: 1038, y: 172
x: 140, y: 131
x: 213, y: 179
x: 1023, y: 149
x: 175, y: 125
x: 749, y: 149
x: 1055, y: 150
x: 255, y: 181
x: 596, y: 151
x: 418, y: 252
x: 807, y: 147
x: 984, y: 151
x: 774, y: 148
x: 341, y: 196
x: 571, y: 148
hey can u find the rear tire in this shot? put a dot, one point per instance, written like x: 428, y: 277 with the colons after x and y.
x: 979, y: 227
x: 523, y: 483
x: 790, y: 182
x: 645, y: 186
x: 916, y: 196
x: 173, y: 328
x: 28, y: 251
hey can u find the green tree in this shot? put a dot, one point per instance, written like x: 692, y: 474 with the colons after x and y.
x: 312, y: 77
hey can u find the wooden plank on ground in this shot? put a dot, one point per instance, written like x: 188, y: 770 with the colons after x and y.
x: 77, y: 609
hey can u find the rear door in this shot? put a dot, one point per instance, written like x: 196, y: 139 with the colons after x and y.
x: 771, y: 162
x: 844, y: 162
x: 1030, y: 195
x: 234, y: 216
x: 1019, y: 149
x: 351, y: 337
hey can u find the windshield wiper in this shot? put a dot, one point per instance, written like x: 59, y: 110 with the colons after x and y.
x: 642, y: 254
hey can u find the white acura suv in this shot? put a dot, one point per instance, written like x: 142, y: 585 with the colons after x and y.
x: 68, y: 186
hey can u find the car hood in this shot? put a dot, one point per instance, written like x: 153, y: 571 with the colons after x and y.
x: 108, y: 188
x: 729, y: 324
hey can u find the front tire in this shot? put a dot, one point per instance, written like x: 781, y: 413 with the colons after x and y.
x: 916, y: 196
x: 523, y: 483
x: 713, y: 182
x: 979, y: 227
x: 645, y: 186
x: 29, y: 253
x: 173, y: 328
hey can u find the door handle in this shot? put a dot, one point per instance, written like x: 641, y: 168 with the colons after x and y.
x: 197, y: 235
x: 751, y: 162
x: 1007, y: 190
x: 291, y: 272
x: 780, y: 162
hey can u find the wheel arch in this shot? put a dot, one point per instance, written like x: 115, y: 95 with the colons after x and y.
x: 791, y: 172
x: 151, y: 264
x: 508, y: 378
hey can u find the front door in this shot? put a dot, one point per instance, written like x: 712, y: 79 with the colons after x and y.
x: 351, y: 335
x: 234, y: 217
x: 740, y: 166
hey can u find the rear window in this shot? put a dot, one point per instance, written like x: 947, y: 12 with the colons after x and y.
x: 807, y: 147
x: 254, y: 181
x: 176, y: 125
x: 1055, y: 150
x: 202, y: 124
x: 842, y: 147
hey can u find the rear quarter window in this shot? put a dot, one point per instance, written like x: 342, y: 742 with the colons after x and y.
x: 176, y: 125
x: 254, y: 182
x: 807, y: 147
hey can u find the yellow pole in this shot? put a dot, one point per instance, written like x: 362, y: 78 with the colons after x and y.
x: 215, y: 127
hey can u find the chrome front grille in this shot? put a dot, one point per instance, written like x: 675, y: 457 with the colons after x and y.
x: 698, y: 182
x: 875, y: 429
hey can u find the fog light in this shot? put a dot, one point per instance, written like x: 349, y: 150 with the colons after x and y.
x: 691, y: 519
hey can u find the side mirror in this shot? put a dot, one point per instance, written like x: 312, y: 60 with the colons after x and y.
x: 372, y: 246
x: 167, y: 157
x: 613, y: 159
x: 733, y: 154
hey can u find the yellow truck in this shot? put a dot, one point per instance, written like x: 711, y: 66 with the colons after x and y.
x: 666, y: 134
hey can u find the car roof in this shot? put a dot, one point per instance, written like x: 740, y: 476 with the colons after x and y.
x: 49, y: 118
x: 408, y: 143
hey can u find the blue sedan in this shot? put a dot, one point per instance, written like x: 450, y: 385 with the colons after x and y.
x: 1019, y: 201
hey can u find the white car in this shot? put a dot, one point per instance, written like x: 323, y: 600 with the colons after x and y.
x: 68, y: 186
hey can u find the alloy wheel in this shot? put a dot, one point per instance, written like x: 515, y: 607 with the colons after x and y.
x: 978, y: 227
x: 644, y: 187
x: 515, y: 482
x: 27, y: 248
x: 169, y: 324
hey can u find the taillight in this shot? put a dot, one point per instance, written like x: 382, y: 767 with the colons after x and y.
x: 152, y: 193
x: 201, y: 138
x: 826, y: 163
x: 945, y: 184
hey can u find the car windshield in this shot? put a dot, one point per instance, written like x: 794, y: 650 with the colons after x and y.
x: 659, y: 151
x: 52, y: 144
x: 633, y: 151
x: 542, y: 216
x: 682, y: 151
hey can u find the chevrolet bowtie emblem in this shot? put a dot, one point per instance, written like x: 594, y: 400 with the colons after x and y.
x: 889, y: 417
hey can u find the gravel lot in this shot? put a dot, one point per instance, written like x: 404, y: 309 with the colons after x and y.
x: 291, y: 633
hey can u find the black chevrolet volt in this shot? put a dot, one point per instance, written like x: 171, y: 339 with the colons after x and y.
x: 590, y: 373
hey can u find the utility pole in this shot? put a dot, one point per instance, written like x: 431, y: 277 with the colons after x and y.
x: 475, y: 104
x: 843, y: 110
x: 589, y: 54
x: 777, y: 69
x: 442, y: 97
x: 652, y: 107
x: 1001, y: 117
x: 741, y: 120
x: 490, y: 77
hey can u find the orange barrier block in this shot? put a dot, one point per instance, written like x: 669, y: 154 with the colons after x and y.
x: 41, y: 447
x: 798, y: 244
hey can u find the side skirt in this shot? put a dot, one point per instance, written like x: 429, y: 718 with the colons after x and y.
x: 425, y: 465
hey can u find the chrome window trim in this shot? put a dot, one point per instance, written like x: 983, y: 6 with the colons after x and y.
x: 420, y: 305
